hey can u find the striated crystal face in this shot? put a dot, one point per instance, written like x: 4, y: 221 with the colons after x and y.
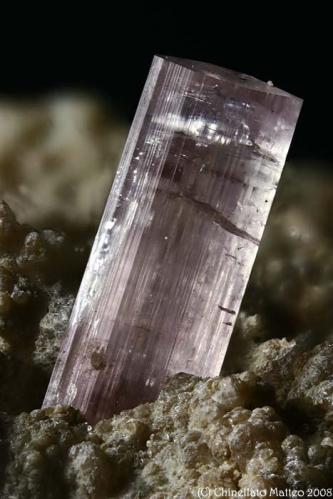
x: 178, y: 237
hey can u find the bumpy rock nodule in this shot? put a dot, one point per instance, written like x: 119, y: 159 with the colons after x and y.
x: 39, y: 275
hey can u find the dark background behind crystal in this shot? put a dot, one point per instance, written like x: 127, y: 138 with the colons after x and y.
x: 110, y: 52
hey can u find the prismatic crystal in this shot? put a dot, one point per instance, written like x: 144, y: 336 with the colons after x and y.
x: 178, y: 237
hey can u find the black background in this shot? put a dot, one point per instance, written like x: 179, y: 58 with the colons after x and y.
x: 109, y: 52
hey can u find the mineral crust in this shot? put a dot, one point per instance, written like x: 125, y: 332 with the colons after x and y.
x: 220, y: 432
x: 39, y: 275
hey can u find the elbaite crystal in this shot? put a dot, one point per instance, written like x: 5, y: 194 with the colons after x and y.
x: 178, y: 237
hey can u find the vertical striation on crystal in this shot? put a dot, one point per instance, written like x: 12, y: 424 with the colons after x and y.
x: 178, y: 237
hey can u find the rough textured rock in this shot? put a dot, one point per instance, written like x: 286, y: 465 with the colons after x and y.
x: 39, y: 275
x: 199, y: 433
x: 311, y: 389
x: 39, y: 445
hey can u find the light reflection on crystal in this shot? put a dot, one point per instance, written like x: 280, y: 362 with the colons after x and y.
x: 178, y: 237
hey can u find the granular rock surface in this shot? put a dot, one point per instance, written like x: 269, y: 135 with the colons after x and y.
x: 221, y: 432
x: 39, y: 274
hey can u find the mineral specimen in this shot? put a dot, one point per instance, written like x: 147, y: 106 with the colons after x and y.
x: 269, y: 426
x: 289, y: 295
x: 178, y: 237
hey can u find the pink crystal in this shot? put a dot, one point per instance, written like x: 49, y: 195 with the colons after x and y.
x: 178, y: 237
